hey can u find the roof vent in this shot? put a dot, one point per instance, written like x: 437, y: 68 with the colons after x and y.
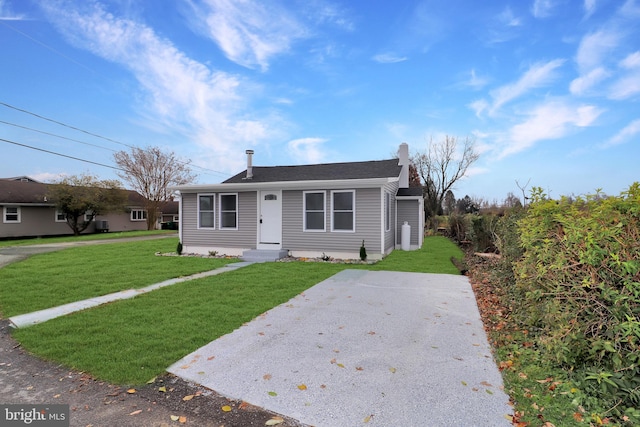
x: 249, y: 164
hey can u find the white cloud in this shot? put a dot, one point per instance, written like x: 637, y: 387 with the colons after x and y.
x: 583, y: 83
x: 249, y: 32
x: 595, y: 47
x: 389, y: 58
x: 307, y: 150
x: 538, y: 75
x: 589, y: 7
x: 507, y: 18
x: 625, y: 134
x: 475, y: 81
x: 631, y: 61
x: 6, y: 14
x: 542, y: 8
x: 479, y: 106
x: 552, y: 120
x: 181, y: 94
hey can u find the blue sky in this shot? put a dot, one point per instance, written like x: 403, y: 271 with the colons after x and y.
x: 548, y: 89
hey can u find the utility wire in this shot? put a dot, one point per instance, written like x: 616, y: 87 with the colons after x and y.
x: 88, y: 133
x: 57, y: 136
x: 65, y: 125
x: 60, y: 154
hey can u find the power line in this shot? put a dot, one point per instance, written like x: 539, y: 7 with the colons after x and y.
x: 60, y: 154
x: 88, y: 133
x: 57, y: 136
x: 65, y: 125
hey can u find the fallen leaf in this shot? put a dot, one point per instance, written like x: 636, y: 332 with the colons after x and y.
x: 56, y: 396
x: 174, y: 418
x: 359, y: 368
x: 188, y: 397
x: 182, y: 420
x: 302, y: 387
x: 272, y: 393
x: 340, y: 365
x: 522, y: 375
x: 323, y: 386
x: 488, y: 391
x: 226, y: 408
x: 266, y: 377
x: 367, y: 418
x: 274, y: 421
x: 211, y: 358
x: 162, y: 389
x: 332, y: 361
x: 392, y: 370
x: 578, y: 417
x: 243, y: 405
x: 131, y: 390
x: 371, y: 333
x: 139, y: 411
x: 152, y: 380
x: 486, y: 384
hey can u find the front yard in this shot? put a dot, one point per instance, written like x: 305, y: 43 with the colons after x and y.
x: 131, y: 341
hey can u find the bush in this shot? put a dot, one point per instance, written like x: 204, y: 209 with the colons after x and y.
x: 179, y: 248
x: 577, y: 289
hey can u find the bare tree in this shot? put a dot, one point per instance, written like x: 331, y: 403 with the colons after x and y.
x: 442, y: 165
x: 80, y: 198
x: 523, y: 188
x: 150, y: 172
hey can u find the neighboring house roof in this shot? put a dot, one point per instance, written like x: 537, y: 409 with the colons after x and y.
x: 35, y: 193
x: 169, y: 207
x: 23, y: 192
x: 320, y: 172
x: 23, y: 178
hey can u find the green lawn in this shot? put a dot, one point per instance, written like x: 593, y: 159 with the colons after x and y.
x: 81, y: 238
x: 131, y: 341
x: 56, y: 278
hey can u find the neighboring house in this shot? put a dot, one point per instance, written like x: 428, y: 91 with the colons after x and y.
x: 27, y: 211
x: 305, y: 210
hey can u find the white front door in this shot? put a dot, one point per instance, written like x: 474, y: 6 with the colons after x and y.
x: 270, y: 220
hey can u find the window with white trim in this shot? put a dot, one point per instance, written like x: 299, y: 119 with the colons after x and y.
x: 387, y: 211
x: 60, y: 216
x: 11, y: 214
x: 229, y: 211
x: 88, y: 216
x: 343, y: 210
x: 138, y: 215
x: 314, y: 211
x: 206, y: 211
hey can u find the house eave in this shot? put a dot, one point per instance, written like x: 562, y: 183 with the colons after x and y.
x: 286, y: 185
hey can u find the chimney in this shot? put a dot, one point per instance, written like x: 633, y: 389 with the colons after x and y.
x: 249, y: 165
x: 403, y: 160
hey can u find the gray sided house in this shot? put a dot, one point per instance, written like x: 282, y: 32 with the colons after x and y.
x: 28, y: 212
x: 306, y: 210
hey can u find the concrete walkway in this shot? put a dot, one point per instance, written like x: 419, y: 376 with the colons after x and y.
x: 29, y: 319
x: 363, y: 348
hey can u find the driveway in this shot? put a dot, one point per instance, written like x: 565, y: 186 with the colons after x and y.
x: 375, y: 348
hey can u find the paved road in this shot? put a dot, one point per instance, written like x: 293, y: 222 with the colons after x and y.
x: 382, y: 348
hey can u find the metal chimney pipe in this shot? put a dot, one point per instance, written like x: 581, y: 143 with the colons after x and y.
x: 249, y: 164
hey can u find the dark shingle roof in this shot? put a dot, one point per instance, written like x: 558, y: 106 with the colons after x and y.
x: 27, y: 192
x: 12, y: 191
x: 321, y: 172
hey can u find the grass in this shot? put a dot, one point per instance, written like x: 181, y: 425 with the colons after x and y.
x: 81, y: 238
x: 56, y: 278
x: 131, y: 341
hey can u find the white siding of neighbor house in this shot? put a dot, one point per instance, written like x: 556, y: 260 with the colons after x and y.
x: 389, y: 236
x: 408, y: 210
x: 243, y: 237
x: 367, y: 225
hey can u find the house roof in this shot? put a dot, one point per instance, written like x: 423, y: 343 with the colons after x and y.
x: 410, y: 192
x: 18, y: 192
x: 320, y: 172
x: 23, y: 192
